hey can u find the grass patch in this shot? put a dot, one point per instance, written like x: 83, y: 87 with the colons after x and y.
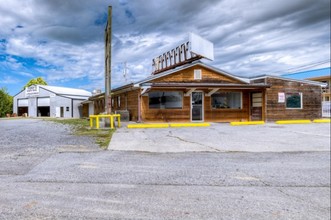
x: 81, y: 127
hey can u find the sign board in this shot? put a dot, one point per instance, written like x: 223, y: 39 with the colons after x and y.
x: 201, y: 46
x: 193, y: 49
x: 32, y: 91
x: 281, y: 97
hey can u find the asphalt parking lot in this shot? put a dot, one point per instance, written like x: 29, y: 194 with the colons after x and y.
x: 47, y: 173
x: 222, y: 137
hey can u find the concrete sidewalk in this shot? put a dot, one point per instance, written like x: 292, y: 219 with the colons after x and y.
x: 221, y: 137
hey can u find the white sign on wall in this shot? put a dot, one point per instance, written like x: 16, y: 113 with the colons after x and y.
x: 281, y: 97
x: 32, y: 91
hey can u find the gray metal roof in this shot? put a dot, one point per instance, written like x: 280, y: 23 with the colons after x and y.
x: 66, y: 91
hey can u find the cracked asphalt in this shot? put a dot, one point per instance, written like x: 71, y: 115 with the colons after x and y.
x: 47, y: 173
x: 222, y: 137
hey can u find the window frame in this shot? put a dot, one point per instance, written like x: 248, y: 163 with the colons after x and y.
x: 226, y: 109
x: 165, y: 91
x: 197, y: 72
x: 301, y: 100
x: 118, y: 101
x: 112, y: 103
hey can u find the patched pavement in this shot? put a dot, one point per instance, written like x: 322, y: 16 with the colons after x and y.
x: 222, y: 137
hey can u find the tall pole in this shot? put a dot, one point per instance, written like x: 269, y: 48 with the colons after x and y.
x: 108, y: 62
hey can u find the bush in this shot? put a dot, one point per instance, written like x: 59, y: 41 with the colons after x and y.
x: 6, y: 103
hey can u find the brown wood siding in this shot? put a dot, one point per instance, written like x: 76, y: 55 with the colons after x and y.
x: 129, y: 101
x: 99, y: 105
x: 187, y: 75
x: 227, y: 115
x: 311, y: 98
x: 85, y: 110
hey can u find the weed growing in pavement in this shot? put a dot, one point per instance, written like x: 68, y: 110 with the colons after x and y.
x: 81, y: 127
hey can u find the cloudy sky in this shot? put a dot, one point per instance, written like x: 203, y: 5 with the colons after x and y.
x: 63, y: 40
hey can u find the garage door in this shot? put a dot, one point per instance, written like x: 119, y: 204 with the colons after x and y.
x: 44, y: 102
x: 23, y: 102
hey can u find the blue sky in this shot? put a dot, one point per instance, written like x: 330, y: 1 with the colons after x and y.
x: 62, y: 40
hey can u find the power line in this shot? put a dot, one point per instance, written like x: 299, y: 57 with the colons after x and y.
x: 304, y: 67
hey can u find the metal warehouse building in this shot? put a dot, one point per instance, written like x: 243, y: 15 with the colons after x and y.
x: 50, y: 101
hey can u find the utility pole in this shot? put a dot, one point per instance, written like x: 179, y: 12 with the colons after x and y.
x: 108, y: 62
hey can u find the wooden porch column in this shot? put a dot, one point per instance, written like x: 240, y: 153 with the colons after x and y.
x: 265, y: 101
x: 139, y: 107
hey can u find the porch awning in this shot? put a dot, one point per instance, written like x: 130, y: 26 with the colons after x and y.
x: 206, y: 85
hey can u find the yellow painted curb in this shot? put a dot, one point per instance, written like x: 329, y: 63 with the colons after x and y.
x: 148, y: 126
x: 322, y: 121
x: 236, y: 123
x: 176, y: 125
x: 293, y: 122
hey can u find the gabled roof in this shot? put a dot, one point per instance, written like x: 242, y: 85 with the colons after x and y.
x: 63, y: 91
x: 309, y: 74
x: 66, y: 91
x: 189, y: 65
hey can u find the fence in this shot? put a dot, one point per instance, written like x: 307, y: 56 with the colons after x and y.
x: 326, y: 109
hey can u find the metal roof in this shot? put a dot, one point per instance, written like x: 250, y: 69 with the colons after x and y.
x: 66, y: 91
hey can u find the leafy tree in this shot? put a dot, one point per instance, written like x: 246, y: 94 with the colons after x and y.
x: 6, y: 102
x: 35, y: 81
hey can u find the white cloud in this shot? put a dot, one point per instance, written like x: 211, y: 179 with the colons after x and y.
x: 64, y: 39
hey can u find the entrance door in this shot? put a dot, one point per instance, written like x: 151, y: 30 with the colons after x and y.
x: 256, y: 106
x: 57, y: 112
x: 61, y: 112
x: 197, y: 106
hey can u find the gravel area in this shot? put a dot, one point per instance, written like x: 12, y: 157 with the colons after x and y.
x: 26, y: 142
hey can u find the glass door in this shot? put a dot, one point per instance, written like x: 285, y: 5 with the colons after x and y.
x: 197, y: 106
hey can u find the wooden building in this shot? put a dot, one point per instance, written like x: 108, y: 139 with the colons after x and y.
x: 184, y: 89
x: 196, y: 92
x: 319, y: 75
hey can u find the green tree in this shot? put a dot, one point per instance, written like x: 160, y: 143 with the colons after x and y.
x: 6, y: 102
x: 35, y: 81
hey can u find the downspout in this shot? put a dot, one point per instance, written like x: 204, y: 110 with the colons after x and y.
x: 126, y: 101
x: 72, y: 108
x: 265, y: 101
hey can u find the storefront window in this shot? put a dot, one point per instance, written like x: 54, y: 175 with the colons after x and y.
x: 228, y: 100
x: 119, y: 101
x: 165, y: 100
x: 293, y: 100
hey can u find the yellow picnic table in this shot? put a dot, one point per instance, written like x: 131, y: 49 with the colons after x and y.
x: 111, y: 118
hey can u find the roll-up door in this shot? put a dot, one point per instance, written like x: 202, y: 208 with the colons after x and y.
x: 23, y: 102
x: 44, y: 102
